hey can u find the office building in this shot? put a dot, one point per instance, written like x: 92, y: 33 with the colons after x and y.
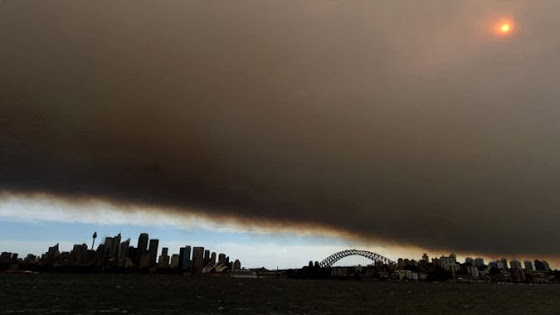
x: 222, y: 259
x: 198, y: 259
x: 108, y: 247
x: 529, y: 265
x: 115, y: 246
x: 174, y: 261
x: 479, y: 262
x: 213, y: 258
x: 515, y: 264
x: 237, y: 265
x: 448, y: 263
x: 152, y: 252
x: 78, y: 254
x: 142, y: 247
x: 504, y: 263
x: 185, y: 258
x: 163, y: 261
x: 541, y: 265
x: 123, y: 249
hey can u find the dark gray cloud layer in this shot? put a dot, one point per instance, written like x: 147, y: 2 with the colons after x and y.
x: 397, y: 120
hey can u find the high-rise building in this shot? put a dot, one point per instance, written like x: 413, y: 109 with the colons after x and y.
x: 5, y: 257
x: 174, y: 261
x: 152, y: 252
x: 504, y: 263
x: 116, y: 245
x: 469, y: 261
x: 425, y: 258
x: 78, y: 254
x: 515, y: 264
x: 213, y: 258
x: 185, y: 258
x: 52, y: 254
x: 123, y: 249
x: 163, y: 261
x: 206, y: 257
x: 108, y: 248
x: 529, y: 265
x: 142, y: 247
x: 222, y: 259
x: 448, y: 263
x: 479, y: 262
x: 237, y: 265
x: 539, y: 266
x: 198, y: 259
x: 499, y: 264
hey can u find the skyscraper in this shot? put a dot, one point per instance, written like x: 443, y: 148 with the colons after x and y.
x: 198, y: 259
x: 123, y: 249
x: 174, y: 261
x: 108, y: 248
x: 222, y: 259
x: 163, y: 261
x: 185, y: 258
x: 479, y: 262
x: 152, y: 252
x: 515, y: 264
x: 142, y: 247
x: 529, y: 265
x: 237, y: 265
x: 504, y: 263
x: 539, y: 265
x: 116, y: 246
x: 213, y: 258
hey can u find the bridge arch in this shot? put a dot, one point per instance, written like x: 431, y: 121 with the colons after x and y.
x: 332, y: 259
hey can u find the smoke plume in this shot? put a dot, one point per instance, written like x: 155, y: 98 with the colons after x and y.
x: 398, y: 120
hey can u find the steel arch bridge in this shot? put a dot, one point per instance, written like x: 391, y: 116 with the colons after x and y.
x: 332, y: 259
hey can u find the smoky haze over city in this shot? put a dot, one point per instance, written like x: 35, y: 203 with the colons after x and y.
x: 404, y: 121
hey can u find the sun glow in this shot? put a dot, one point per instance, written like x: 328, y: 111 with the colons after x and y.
x: 504, y: 28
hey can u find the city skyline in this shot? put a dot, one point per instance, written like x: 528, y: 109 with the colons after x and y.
x: 119, y: 255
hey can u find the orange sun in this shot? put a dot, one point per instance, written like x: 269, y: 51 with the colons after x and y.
x: 505, y: 27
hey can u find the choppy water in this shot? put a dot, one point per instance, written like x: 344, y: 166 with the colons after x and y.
x: 130, y: 294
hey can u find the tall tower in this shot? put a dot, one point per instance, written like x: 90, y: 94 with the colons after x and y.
x: 94, y: 237
x: 185, y: 257
x: 152, y: 252
x: 142, y: 247
x: 197, y: 259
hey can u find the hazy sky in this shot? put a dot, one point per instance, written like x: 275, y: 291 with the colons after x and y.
x: 406, y: 121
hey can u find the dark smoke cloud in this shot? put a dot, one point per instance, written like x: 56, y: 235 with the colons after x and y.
x: 395, y: 120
